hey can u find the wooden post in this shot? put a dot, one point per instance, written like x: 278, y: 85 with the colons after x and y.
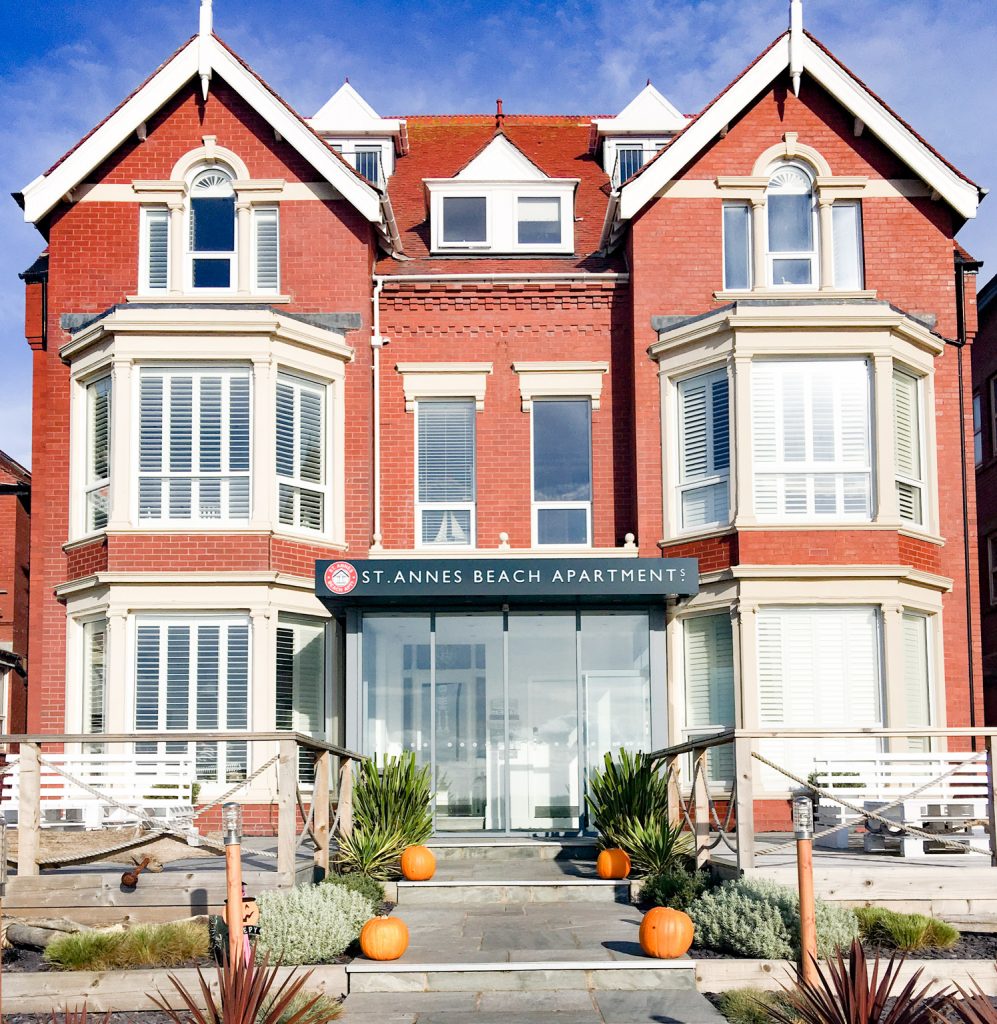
x: 674, y: 791
x: 701, y: 803
x: 346, y: 797
x: 29, y: 815
x: 991, y: 807
x: 320, y: 813
x: 744, y: 803
x: 233, y: 900
x: 808, y: 918
x: 287, y: 831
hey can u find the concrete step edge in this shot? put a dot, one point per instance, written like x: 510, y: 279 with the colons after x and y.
x: 391, y: 967
x: 545, y: 883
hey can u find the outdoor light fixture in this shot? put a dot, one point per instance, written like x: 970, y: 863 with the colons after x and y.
x: 232, y: 823
x: 803, y: 817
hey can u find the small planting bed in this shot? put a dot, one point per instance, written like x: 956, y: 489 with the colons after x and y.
x: 971, y: 946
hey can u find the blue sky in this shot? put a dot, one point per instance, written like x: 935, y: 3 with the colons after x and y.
x: 66, y: 64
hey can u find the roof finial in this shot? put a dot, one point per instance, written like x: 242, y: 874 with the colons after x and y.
x: 649, y: 81
x: 205, y: 30
x: 796, y: 44
x: 499, y: 116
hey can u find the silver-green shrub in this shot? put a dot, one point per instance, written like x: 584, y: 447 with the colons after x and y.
x: 760, y: 919
x: 311, y: 924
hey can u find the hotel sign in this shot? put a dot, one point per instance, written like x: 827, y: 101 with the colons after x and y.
x: 357, y: 581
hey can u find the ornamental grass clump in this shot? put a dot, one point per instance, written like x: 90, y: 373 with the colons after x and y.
x: 311, y: 924
x: 908, y: 933
x: 391, y: 810
x: 356, y: 882
x: 749, y: 1005
x: 145, y: 945
x: 760, y: 919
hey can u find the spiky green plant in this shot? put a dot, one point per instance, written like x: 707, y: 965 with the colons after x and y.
x: 629, y: 790
x: 654, y: 846
x: 845, y: 992
x: 390, y: 812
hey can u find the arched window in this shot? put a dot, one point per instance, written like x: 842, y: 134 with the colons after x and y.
x: 211, y: 245
x: 792, y: 227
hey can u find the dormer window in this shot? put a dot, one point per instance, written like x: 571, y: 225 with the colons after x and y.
x: 501, y: 202
x: 211, y: 254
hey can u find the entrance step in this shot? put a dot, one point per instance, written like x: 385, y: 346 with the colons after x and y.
x: 512, y: 849
x: 457, y: 893
x: 533, y: 975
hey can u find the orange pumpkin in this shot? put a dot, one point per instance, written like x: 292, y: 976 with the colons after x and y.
x: 418, y: 863
x: 665, y: 933
x: 612, y: 863
x: 384, y: 938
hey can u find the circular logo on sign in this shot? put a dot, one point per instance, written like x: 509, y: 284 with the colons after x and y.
x: 341, y: 577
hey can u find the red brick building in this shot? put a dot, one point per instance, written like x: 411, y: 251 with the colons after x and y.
x: 496, y: 366
x: 15, y: 537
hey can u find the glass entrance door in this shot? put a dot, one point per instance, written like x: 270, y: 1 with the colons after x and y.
x: 511, y: 710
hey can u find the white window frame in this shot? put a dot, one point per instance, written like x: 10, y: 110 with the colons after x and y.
x: 192, y: 620
x: 919, y: 485
x: 194, y: 370
x: 92, y: 485
x: 719, y: 759
x: 86, y: 627
x: 484, y: 243
x: 294, y: 622
x: 812, y: 255
x: 190, y: 255
x: 300, y: 383
x: 461, y: 506
x: 145, y: 212
x: 811, y: 469
x: 723, y: 477
x: 856, y: 204
x: 537, y: 506
x: 611, y: 147
x: 540, y: 246
x: 925, y: 744
x: 263, y: 208
x: 746, y: 205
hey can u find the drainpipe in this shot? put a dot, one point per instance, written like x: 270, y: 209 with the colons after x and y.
x: 376, y: 344
x: 961, y: 266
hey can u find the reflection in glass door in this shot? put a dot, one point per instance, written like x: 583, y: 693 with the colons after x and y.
x: 512, y: 711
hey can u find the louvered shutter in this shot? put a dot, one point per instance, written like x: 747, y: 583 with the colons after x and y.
x: 704, y: 450
x: 147, y: 661
x: 237, y: 700
x: 98, y: 453
x: 917, y: 679
x: 94, y: 679
x: 301, y: 453
x: 846, y: 224
x: 266, y: 228
x: 301, y: 682
x: 709, y: 684
x: 817, y: 665
x: 446, y: 483
x: 907, y: 446
x: 157, y: 248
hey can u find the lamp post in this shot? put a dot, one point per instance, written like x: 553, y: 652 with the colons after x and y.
x: 232, y: 831
x: 803, y: 830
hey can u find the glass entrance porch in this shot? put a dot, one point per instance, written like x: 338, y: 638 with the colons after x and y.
x: 512, y: 710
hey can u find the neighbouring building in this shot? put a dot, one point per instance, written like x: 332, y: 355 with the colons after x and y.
x: 15, y: 536
x: 500, y: 377
x: 985, y: 458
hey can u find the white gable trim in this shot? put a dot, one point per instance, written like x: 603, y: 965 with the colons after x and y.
x: 648, y: 112
x: 500, y: 160
x: 42, y: 194
x: 346, y: 112
x: 960, y: 194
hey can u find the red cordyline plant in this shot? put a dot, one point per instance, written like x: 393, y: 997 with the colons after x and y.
x: 248, y: 993
x: 847, y: 993
x: 971, y: 1007
x: 78, y: 1015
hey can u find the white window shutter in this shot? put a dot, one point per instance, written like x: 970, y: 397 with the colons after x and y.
x: 907, y: 445
x: 301, y: 459
x: 301, y: 681
x: 709, y: 684
x: 846, y: 221
x: 157, y: 248
x: 917, y: 678
x: 98, y: 453
x: 94, y: 653
x: 704, y: 449
x: 266, y: 229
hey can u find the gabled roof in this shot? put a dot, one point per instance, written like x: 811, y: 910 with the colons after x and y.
x: 799, y: 52
x: 648, y: 112
x: 500, y: 160
x: 201, y: 56
x: 346, y: 112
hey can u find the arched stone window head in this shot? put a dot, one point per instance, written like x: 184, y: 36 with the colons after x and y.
x: 211, y: 236
x: 792, y: 227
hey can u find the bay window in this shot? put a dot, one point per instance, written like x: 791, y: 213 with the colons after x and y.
x: 302, y: 458
x: 445, y: 472
x: 709, y: 686
x: 194, y: 445
x: 704, y: 450
x: 193, y: 674
x: 811, y: 438
x: 300, y: 678
x: 562, y: 472
x: 907, y: 446
x: 98, y: 457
